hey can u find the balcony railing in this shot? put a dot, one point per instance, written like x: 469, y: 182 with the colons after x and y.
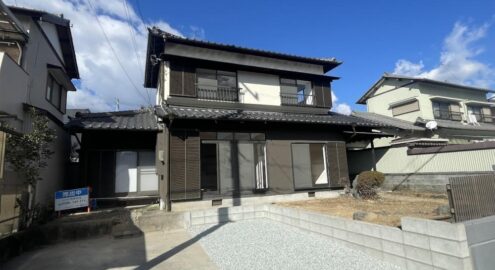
x: 483, y: 117
x: 298, y: 100
x: 218, y: 93
x: 447, y: 115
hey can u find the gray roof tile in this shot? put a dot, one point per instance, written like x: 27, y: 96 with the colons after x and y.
x: 389, y: 121
x: 124, y: 120
x: 247, y: 115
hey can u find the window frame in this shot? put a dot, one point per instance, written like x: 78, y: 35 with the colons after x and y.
x: 218, y: 73
x: 439, y: 104
x: 49, y: 89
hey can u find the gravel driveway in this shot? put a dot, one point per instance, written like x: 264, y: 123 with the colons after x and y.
x: 265, y: 244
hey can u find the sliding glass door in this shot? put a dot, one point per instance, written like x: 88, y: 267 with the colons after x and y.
x: 309, y: 165
x: 135, y: 172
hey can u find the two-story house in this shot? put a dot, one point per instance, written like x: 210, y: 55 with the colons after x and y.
x: 240, y: 123
x: 37, y: 63
x: 438, y: 127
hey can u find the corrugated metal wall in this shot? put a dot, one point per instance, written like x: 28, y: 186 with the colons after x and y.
x: 396, y: 160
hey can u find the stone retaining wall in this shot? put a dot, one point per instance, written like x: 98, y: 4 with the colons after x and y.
x: 421, y: 244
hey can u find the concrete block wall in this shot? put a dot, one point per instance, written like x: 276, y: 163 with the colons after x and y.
x: 420, y: 244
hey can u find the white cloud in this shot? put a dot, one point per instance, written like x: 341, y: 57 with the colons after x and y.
x: 342, y: 108
x: 102, y: 79
x: 458, y: 62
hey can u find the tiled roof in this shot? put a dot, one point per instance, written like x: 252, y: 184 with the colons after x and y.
x: 170, y: 36
x: 144, y: 120
x: 459, y: 125
x: 248, y: 115
x: 410, y: 80
x: 389, y: 121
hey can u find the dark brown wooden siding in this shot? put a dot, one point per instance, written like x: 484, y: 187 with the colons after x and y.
x: 327, y: 95
x: 337, y: 164
x: 182, y: 80
x: 323, y: 95
x: 193, y: 183
x: 279, y: 164
x: 184, y: 166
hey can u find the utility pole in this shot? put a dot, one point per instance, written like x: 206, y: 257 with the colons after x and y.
x: 117, y: 104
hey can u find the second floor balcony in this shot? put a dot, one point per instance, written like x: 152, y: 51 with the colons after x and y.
x: 447, y: 115
x: 218, y: 93
x: 297, y: 100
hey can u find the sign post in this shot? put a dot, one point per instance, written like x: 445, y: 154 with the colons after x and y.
x: 73, y: 198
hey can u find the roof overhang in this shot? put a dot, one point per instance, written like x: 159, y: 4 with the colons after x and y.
x: 10, y: 27
x: 157, y: 41
x: 61, y: 77
x: 412, y: 80
x: 64, y: 35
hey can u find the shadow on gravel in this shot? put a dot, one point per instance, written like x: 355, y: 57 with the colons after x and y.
x: 165, y: 256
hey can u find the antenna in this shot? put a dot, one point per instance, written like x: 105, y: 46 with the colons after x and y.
x: 431, y: 125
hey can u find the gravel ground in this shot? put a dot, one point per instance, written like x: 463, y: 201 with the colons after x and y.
x: 265, y: 244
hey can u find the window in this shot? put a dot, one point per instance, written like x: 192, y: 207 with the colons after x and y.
x: 217, y: 84
x: 296, y: 92
x: 54, y: 92
x: 3, y: 141
x: 446, y: 110
x: 405, y: 108
x: 135, y: 172
x: 309, y: 165
x: 482, y: 114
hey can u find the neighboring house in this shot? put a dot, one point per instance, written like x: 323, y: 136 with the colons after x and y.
x: 240, y: 122
x: 421, y: 154
x: 37, y: 63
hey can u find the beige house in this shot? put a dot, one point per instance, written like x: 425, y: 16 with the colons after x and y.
x: 37, y: 63
x: 440, y: 129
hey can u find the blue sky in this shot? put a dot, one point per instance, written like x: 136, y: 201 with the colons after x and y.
x: 444, y: 40
x: 368, y: 36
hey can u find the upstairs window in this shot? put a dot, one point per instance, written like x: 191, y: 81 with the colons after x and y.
x: 447, y: 111
x: 54, y: 92
x: 482, y: 114
x: 217, y: 84
x: 296, y: 92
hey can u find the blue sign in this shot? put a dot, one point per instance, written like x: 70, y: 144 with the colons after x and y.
x: 70, y: 199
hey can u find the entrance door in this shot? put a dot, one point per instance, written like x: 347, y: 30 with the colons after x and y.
x: 209, y: 175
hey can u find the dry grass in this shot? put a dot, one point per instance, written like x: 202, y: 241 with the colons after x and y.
x: 389, y: 208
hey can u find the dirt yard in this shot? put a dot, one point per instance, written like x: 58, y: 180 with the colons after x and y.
x: 386, y: 210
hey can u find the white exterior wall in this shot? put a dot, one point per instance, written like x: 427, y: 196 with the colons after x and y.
x: 51, y: 32
x: 13, y: 89
x: 259, y: 88
x: 396, y: 161
x: 385, y: 95
x: 380, y: 102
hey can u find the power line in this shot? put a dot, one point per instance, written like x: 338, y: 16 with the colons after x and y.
x: 133, y: 41
x: 115, y: 53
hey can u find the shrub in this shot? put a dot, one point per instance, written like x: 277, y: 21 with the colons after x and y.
x: 367, y: 183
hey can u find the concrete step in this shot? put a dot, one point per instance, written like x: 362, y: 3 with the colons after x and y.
x: 125, y: 231
x: 161, y: 221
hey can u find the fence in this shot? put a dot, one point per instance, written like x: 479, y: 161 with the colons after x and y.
x: 471, y: 197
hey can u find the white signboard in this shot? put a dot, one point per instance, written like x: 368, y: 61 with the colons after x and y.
x: 70, y: 199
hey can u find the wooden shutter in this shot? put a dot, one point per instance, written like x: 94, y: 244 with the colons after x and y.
x: 456, y: 111
x: 406, y: 108
x: 184, y: 166
x: 189, y: 81
x: 182, y: 80
x: 318, y: 90
x: 3, y: 141
x: 487, y: 114
x: 327, y: 95
x: 176, y: 79
x: 193, y: 183
x: 279, y: 162
x: 337, y: 164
